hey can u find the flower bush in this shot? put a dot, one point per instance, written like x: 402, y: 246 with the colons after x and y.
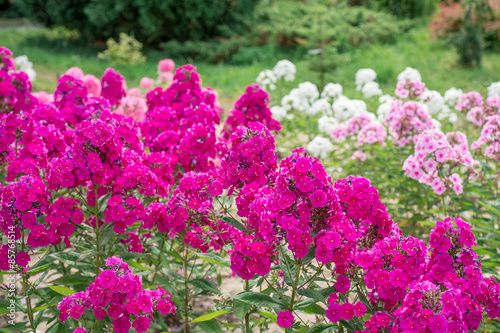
x: 120, y: 207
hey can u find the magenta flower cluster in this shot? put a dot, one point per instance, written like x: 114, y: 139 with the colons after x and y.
x: 167, y: 173
x: 252, y: 106
x: 117, y: 297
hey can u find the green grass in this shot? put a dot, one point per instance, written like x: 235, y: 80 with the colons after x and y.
x: 434, y: 59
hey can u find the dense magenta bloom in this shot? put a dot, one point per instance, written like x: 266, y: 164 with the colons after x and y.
x: 77, y: 311
x: 252, y: 106
x: 117, y: 293
x: 285, y: 319
x: 343, y: 284
x: 121, y: 325
x: 141, y: 324
x: 22, y: 259
x: 112, y: 86
x: 439, y: 324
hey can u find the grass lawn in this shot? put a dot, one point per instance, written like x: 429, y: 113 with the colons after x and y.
x: 434, y: 59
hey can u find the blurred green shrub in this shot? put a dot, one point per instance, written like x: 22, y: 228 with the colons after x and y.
x: 150, y: 21
x: 125, y: 52
x: 403, y: 8
x: 346, y: 27
x: 8, y: 10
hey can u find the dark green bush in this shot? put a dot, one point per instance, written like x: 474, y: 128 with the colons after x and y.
x: 403, y: 8
x: 8, y: 10
x: 344, y: 27
x: 150, y: 21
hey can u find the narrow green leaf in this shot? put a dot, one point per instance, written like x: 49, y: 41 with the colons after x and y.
x: 40, y: 269
x: 40, y: 308
x: 313, y: 309
x: 322, y: 328
x: 209, y: 316
x: 204, y: 284
x: 258, y: 299
x: 240, y: 309
x: 213, y: 259
x: 237, y: 224
x: 62, y: 290
x: 269, y: 315
x: 211, y: 326
x: 311, y: 293
x: 288, y: 268
x: 138, y: 266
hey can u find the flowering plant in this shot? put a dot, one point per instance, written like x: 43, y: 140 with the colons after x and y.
x: 113, y: 221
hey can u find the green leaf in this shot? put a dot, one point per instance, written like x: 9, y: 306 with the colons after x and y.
x: 258, y: 299
x: 40, y: 308
x: 209, y: 316
x: 102, y: 202
x: 205, y: 284
x: 211, y: 326
x: 69, y: 258
x: 240, y: 309
x: 86, y: 255
x: 322, y: 328
x: 213, y: 259
x: 347, y: 325
x: 305, y: 303
x: 288, y: 268
x: 237, y: 224
x: 139, y: 266
x: 311, y: 293
x: 269, y: 315
x: 40, y: 269
x: 73, y: 279
x: 313, y: 309
x: 326, y: 292
x: 17, y: 327
x: 309, y: 256
x: 491, y: 208
x: 62, y: 290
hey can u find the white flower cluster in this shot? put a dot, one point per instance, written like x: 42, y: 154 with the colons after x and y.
x: 23, y: 64
x: 345, y: 108
x: 320, y: 147
x: 452, y: 95
x: 267, y: 80
x: 283, y: 70
x: 302, y: 98
x: 332, y: 91
x: 436, y: 106
x: 384, y: 107
x: 365, y: 82
x: 410, y: 74
x: 494, y: 89
x: 327, y: 124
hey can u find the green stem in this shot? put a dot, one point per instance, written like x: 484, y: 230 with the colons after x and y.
x: 159, y: 259
x: 186, y: 292
x: 247, y: 316
x: 98, y: 247
x: 29, y: 307
x: 295, y: 283
x: 312, y: 278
